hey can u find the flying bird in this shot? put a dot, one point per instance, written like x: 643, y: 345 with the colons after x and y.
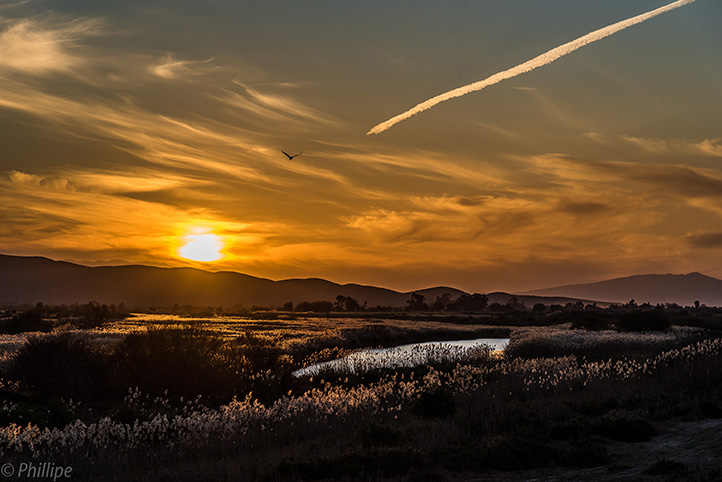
x: 290, y: 157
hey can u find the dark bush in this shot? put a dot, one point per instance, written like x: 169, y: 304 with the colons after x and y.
x: 186, y: 361
x: 436, y: 403
x: 652, y: 320
x: 25, y: 321
x: 589, y: 320
x: 61, y: 365
x: 31, y: 319
x: 93, y: 315
x: 315, y: 306
x: 624, y: 427
x: 377, y: 435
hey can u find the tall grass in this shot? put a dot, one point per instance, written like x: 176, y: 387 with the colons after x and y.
x: 395, y: 358
x: 557, y: 341
x: 499, y: 413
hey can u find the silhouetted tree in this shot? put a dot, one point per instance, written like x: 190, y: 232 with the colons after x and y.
x: 347, y: 303
x: 472, y: 303
x: 443, y: 303
x: 515, y: 304
x: 417, y: 302
x: 315, y: 306
x: 497, y: 307
x: 638, y: 320
x: 590, y: 320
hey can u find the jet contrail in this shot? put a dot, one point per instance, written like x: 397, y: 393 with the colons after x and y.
x: 540, y: 61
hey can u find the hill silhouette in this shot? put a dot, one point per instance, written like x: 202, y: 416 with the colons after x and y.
x: 28, y: 280
x: 683, y: 289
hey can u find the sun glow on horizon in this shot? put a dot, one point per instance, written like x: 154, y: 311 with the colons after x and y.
x: 204, y: 247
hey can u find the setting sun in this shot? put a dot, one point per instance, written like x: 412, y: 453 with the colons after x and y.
x: 202, y: 247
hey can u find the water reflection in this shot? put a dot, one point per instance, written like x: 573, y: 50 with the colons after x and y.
x: 407, y: 355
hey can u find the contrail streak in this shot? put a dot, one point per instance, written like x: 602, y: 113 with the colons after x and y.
x: 536, y: 62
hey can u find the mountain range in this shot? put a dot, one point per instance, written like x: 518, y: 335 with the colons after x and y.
x: 28, y: 280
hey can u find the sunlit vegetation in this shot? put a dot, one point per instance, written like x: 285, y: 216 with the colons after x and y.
x: 45, y: 318
x: 215, y: 398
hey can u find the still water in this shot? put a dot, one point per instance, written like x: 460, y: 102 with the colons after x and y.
x: 406, y: 355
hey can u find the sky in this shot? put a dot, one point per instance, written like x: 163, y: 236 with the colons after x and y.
x: 131, y: 128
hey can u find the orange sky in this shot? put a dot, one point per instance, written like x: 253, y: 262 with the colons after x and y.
x: 129, y: 126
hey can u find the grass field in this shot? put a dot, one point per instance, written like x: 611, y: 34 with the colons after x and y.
x: 155, y: 397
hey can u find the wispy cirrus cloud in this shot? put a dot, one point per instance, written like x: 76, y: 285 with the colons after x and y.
x: 171, y: 68
x: 12, y: 4
x: 706, y: 147
x: 659, y: 146
x: 44, y: 45
x: 217, y: 147
x: 271, y: 105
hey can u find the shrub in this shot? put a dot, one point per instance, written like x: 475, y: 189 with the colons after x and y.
x: 93, y: 315
x: 437, y: 402
x: 61, y: 365
x: 377, y: 435
x: 28, y: 320
x: 315, y: 306
x: 654, y: 320
x: 590, y: 320
x: 185, y: 361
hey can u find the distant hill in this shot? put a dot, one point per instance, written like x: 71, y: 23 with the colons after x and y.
x: 28, y: 280
x: 683, y: 289
x: 531, y: 300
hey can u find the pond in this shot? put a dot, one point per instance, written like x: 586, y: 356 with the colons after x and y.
x: 411, y: 355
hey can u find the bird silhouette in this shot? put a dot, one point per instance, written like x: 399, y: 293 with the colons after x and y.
x: 290, y: 157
